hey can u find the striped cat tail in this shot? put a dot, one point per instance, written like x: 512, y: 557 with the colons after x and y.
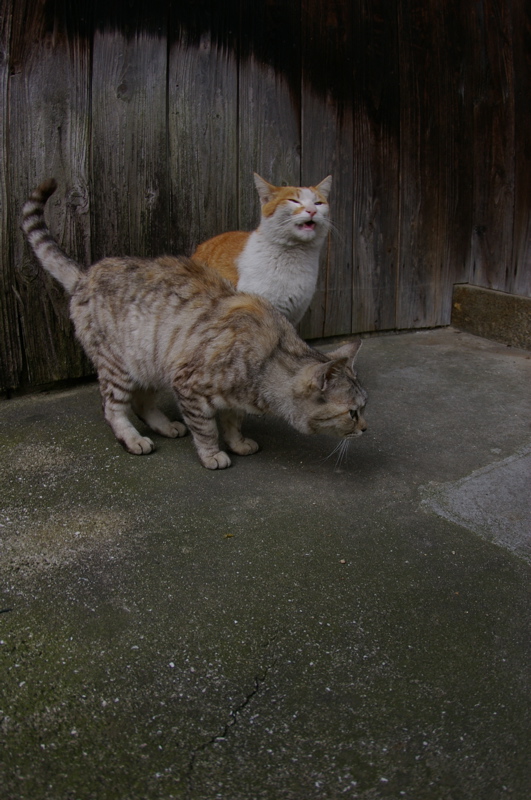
x: 48, y: 252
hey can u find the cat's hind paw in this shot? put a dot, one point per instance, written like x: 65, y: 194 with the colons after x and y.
x: 218, y: 461
x: 176, y: 430
x: 245, y: 447
x: 139, y: 446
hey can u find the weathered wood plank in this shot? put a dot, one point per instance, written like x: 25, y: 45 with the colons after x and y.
x: 520, y: 276
x: 129, y: 130
x: 494, y: 137
x: 456, y: 149
x: 269, y: 102
x: 422, y: 270
x: 203, y: 103
x: 48, y: 114
x: 10, y: 345
x: 420, y: 110
x: 327, y: 148
x: 376, y: 165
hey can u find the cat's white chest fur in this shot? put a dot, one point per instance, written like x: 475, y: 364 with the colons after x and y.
x: 285, y: 276
x: 280, y: 260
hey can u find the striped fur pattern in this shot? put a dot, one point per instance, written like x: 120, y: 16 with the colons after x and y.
x: 170, y: 322
x: 280, y: 259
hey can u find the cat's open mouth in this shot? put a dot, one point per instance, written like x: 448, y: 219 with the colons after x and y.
x: 309, y: 225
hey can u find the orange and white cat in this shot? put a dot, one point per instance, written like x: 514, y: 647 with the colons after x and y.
x: 280, y: 259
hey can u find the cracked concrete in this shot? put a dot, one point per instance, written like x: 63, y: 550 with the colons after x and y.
x: 288, y: 628
x: 233, y: 720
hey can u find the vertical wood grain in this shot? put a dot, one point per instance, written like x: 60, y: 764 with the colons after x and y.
x: 48, y: 136
x: 520, y: 275
x: 494, y: 137
x: 203, y: 123
x: 129, y: 145
x: 10, y: 344
x: 154, y: 117
x: 327, y: 148
x: 422, y: 269
x: 269, y: 102
x: 456, y: 149
x: 376, y: 165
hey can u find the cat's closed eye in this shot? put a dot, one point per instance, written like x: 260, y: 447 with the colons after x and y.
x: 257, y: 261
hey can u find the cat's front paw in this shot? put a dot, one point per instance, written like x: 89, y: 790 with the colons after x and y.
x: 218, y: 461
x: 245, y: 447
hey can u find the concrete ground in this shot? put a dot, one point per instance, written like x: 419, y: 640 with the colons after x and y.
x: 289, y: 628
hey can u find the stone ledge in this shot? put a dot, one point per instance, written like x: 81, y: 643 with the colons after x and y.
x: 494, y: 315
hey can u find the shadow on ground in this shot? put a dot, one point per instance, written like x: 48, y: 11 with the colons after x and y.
x: 288, y: 628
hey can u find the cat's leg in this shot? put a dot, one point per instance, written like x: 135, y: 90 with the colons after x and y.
x: 116, y: 401
x: 202, y: 425
x: 144, y: 406
x: 231, y: 424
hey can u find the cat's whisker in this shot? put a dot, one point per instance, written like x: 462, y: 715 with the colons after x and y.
x: 341, y: 449
x: 342, y: 458
x: 335, y: 231
x: 334, y: 451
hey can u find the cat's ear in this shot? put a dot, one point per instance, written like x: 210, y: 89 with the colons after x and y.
x: 322, y: 374
x: 348, y: 351
x: 325, y: 186
x: 265, y: 190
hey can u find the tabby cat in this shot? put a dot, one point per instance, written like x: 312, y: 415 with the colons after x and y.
x: 280, y: 259
x: 170, y: 322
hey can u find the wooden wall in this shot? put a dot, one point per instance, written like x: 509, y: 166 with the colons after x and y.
x: 153, y: 117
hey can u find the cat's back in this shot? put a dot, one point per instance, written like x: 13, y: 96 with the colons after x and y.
x: 222, y: 253
x: 118, y: 292
x: 138, y: 307
x: 128, y: 278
